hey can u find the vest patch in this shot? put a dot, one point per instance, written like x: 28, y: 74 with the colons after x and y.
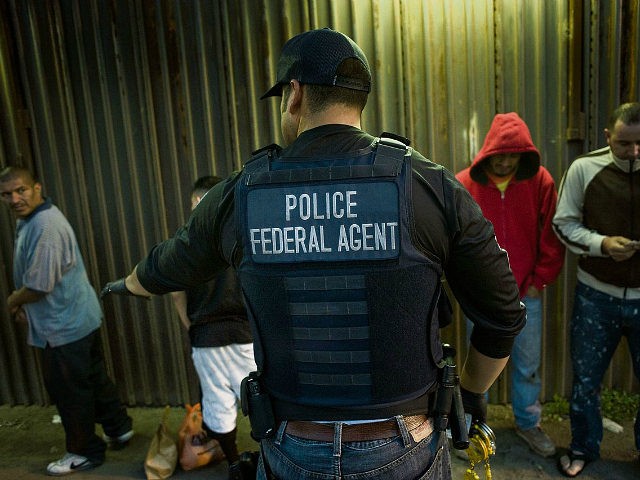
x: 339, y: 222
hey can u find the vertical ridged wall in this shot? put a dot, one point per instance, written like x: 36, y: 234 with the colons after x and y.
x: 120, y: 105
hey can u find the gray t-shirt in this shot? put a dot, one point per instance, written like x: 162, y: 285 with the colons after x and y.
x: 47, y: 259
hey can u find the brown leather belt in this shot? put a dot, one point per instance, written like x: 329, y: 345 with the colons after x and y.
x: 360, y: 432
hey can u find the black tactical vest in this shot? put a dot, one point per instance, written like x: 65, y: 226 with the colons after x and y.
x: 343, y: 305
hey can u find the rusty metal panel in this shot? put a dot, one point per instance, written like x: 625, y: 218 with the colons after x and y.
x: 531, y: 61
x: 631, y: 55
x: 120, y: 105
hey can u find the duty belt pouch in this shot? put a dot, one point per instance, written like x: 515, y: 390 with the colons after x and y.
x: 257, y: 405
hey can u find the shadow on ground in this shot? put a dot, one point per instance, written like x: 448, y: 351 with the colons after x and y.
x: 29, y: 441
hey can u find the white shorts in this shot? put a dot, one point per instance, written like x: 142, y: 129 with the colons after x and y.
x: 221, y: 370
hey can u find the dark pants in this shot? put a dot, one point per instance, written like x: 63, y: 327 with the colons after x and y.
x: 76, y: 379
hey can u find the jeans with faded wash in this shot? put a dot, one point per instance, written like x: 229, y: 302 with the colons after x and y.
x: 525, y: 368
x: 393, y: 458
x: 526, y: 354
x: 598, y: 323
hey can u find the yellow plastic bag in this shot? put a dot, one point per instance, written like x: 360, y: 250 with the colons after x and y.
x: 162, y: 456
x: 194, y: 448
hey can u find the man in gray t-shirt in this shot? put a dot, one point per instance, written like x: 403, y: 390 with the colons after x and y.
x: 53, y: 295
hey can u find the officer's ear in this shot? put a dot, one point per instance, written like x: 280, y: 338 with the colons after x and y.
x: 294, y: 99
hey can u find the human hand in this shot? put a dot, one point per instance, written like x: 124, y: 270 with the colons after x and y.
x: 20, y: 316
x: 117, y: 287
x: 12, y: 303
x: 619, y: 248
x: 533, y: 292
x: 475, y: 404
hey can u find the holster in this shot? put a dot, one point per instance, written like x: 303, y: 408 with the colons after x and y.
x: 256, y: 404
x: 449, y: 411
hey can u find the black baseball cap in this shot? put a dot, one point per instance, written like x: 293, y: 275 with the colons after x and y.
x: 314, y: 57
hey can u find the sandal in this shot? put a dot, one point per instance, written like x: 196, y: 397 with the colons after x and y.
x: 572, y: 457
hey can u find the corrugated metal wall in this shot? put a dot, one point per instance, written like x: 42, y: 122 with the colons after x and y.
x: 120, y: 105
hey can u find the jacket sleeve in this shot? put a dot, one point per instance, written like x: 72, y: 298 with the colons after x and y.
x: 480, y: 277
x: 194, y: 254
x: 478, y: 272
x: 550, y: 249
x: 567, y: 221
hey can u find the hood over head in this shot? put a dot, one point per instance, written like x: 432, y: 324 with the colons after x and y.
x: 508, y: 134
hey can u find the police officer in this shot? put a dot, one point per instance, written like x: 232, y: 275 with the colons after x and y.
x: 340, y: 241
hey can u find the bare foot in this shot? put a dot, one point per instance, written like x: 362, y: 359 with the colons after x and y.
x: 571, y: 464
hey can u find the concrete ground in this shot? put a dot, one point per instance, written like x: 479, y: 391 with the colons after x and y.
x: 29, y: 440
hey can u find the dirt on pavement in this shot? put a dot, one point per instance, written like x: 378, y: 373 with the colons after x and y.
x: 29, y: 441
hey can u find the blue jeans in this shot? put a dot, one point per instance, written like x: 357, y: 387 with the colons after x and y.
x: 387, y: 459
x: 598, y: 323
x: 525, y: 367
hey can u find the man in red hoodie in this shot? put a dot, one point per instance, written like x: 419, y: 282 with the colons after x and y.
x: 518, y: 196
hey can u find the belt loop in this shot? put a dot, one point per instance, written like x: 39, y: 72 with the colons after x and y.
x: 337, y: 439
x: 402, y: 426
x: 280, y: 432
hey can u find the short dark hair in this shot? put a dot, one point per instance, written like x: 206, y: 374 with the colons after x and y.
x: 627, y: 113
x: 204, y: 184
x: 320, y: 96
x: 11, y: 172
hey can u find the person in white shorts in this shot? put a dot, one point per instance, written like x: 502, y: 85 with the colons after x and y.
x: 221, y: 349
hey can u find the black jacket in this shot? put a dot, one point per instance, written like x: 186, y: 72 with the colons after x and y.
x: 449, y: 228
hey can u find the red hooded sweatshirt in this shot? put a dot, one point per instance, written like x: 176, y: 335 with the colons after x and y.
x: 522, y: 215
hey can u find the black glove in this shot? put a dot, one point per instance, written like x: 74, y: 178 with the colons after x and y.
x: 117, y: 288
x: 475, y: 404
